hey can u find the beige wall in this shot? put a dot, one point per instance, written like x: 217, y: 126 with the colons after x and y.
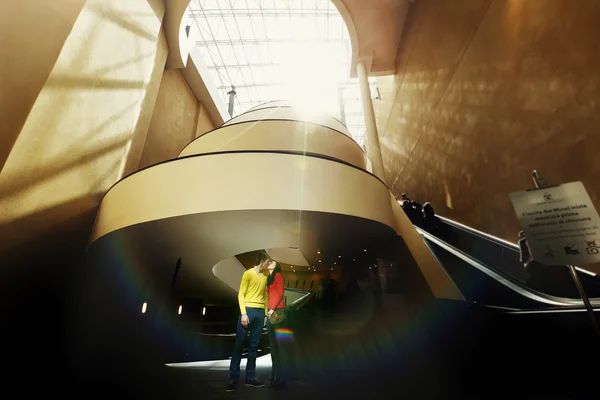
x: 80, y: 131
x: 204, y: 122
x: 32, y: 33
x: 486, y: 91
x: 174, y: 119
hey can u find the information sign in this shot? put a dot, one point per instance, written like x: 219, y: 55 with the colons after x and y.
x: 561, y: 224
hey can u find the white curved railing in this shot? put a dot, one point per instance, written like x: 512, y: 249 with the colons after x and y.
x: 233, y: 181
x: 279, y: 135
x: 291, y: 114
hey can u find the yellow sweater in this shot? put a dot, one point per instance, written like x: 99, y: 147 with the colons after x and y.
x: 252, y: 291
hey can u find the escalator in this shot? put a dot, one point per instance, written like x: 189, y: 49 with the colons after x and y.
x: 487, y: 271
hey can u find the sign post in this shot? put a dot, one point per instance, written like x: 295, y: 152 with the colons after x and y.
x: 562, y: 227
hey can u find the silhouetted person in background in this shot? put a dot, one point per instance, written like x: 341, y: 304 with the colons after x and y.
x: 527, y: 260
x: 329, y: 293
x: 409, y: 210
x: 431, y: 223
x: 417, y: 213
x: 326, y: 295
x: 353, y: 292
x: 524, y: 252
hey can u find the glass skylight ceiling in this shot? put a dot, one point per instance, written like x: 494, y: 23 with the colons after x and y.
x: 297, y: 50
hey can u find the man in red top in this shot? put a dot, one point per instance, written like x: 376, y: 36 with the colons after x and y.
x: 275, y: 295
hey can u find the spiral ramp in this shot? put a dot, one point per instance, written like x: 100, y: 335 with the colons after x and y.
x: 272, y: 178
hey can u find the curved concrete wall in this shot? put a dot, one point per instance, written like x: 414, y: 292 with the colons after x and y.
x: 289, y: 113
x: 279, y: 135
x: 232, y: 181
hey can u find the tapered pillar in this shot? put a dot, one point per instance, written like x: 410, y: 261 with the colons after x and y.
x: 372, y: 145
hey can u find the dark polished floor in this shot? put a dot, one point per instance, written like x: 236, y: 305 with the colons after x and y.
x: 395, y: 351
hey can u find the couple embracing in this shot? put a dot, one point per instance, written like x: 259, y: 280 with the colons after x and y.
x: 261, y: 301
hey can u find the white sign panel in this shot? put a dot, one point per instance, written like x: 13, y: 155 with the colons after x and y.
x: 561, y: 224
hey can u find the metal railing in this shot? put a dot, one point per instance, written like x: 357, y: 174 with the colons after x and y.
x: 499, y: 260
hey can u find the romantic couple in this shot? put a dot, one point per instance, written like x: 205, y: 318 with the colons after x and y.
x: 261, y: 294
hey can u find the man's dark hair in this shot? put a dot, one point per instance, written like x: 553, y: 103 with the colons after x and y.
x: 261, y: 256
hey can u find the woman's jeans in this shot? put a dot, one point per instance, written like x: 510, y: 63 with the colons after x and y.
x: 278, y: 338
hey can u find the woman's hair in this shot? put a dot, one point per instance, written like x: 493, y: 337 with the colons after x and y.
x: 271, y: 277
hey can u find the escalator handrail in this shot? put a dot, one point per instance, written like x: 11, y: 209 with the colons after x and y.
x: 483, y: 235
x: 494, y: 239
x: 504, y: 278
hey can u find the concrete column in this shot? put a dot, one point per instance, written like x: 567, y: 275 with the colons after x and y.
x: 372, y: 147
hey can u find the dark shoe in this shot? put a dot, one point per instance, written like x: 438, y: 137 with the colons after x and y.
x: 254, y: 383
x: 271, y: 383
x: 231, y: 385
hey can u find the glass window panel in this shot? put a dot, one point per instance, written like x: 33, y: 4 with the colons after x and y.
x: 285, y: 29
x: 321, y: 22
x: 206, y: 56
x: 227, y: 54
x: 245, y: 29
x: 234, y: 75
x: 207, y: 4
x: 296, y: 27
x: 252, y: 4
x: 310, y: 28
x: 235, y: 4
x: 257, y: 76
x: 240, y: 53
x: 263, y: 93
x: 252, y: 53
x: 230, y: 24
x: 264, y: 53
x: 256, y: 44
x: 216, y: 28
x: 271, y: 26
x: 248, y: 77
x: 217, y: 78
x: 352, y: 107
x: 277, y: 52
x: 269, y: 4
x: 242, y: 96
x: 259, y: 27
x: 353, y: 120
x: 252, y: 92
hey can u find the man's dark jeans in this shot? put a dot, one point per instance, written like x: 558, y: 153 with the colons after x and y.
x: 256, y: 317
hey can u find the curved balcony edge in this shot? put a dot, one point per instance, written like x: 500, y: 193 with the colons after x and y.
x: 290, y: 112
x: 264, y: 121
x: 224, y: 181
x: 256, y: 108
x: 280, y: 135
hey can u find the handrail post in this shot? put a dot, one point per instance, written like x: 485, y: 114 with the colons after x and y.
x: 539, y: 183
